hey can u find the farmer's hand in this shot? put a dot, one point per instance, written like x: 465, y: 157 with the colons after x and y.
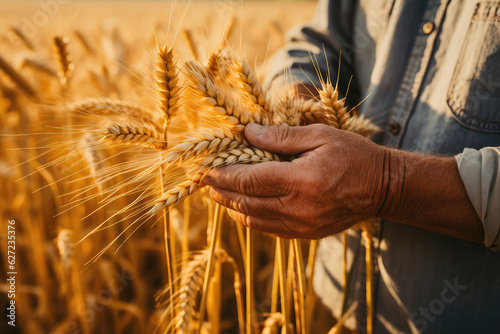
x: 339, y: 179
x: 336, y: 181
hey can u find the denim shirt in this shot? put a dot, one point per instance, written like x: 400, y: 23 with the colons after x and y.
x: 431, y: 71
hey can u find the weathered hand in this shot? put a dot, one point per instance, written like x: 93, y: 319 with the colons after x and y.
x: 337, y: 180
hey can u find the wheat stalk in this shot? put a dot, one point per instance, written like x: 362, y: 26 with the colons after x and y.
x: 94, y: 159
x: 190, y: 44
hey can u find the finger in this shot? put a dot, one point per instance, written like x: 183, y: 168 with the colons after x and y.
x: 266, y: 179
x: 275, y: 227
x: 262, y: 207
x: 286, y: 139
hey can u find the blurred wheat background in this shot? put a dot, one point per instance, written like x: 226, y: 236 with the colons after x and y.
x: 56, y: 54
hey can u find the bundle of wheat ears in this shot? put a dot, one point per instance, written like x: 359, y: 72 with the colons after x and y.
x: 197, y: 125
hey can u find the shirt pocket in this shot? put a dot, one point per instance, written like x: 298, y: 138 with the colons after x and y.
x: 474, y: 92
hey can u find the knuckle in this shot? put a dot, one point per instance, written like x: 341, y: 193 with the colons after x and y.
x: 222, y: 178
x: 321, y: 130
x: 242, y: 205
x: 283, y: 133
x: 249, y: 222
x: 249, y: 183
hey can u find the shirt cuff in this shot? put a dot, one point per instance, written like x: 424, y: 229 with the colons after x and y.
x: 480, y: 173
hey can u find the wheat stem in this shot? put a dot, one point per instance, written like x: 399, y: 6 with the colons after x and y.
x: 249, y: 271
x: 280, y: 253
x: 208, y: 272
x: 299, y: 263
x: 310, y: 296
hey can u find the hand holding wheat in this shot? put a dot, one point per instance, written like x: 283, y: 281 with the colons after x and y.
x: 336, y: 180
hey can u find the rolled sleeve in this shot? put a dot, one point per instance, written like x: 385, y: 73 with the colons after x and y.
x: 480, y: 172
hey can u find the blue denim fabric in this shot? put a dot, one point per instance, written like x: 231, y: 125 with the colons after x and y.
x: 431, y: 70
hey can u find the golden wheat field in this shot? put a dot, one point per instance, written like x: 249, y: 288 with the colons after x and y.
x: 111, y: 113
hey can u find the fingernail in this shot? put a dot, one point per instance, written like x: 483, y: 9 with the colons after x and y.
x: 255, y: 129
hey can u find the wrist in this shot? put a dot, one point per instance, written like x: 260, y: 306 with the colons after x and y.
x: 394, y: 172
x: 427, y: 192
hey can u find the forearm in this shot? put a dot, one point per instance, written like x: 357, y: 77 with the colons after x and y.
x: 426, y: 191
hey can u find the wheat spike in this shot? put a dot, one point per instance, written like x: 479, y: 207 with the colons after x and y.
x: 134, y: 134
x: 192, y: 282
x: 38, y: 64
x: 241, y: 154
x: 287, y: 111
x: 85, y: 43
x: 64, y: 59
x: 206, y: 142
x: 213, y: 65
x: 23, y: 38
x: 110, y: 107
x: 166, y: 79
x: 189, y: 41
x: 311, y: 112
x: 94, y: 159
x: 333, y: 107
x: 362, y: 126
x: 250, y: 84
x: 202, y: 86
x: 17, y: 78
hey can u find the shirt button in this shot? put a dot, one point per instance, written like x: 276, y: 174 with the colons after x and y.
x: 395, y: 128
x: 428, y: 28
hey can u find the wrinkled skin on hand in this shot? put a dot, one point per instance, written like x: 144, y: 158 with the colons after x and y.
x: 335, y: 181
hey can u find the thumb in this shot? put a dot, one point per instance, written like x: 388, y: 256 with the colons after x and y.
x: 286, y: 139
